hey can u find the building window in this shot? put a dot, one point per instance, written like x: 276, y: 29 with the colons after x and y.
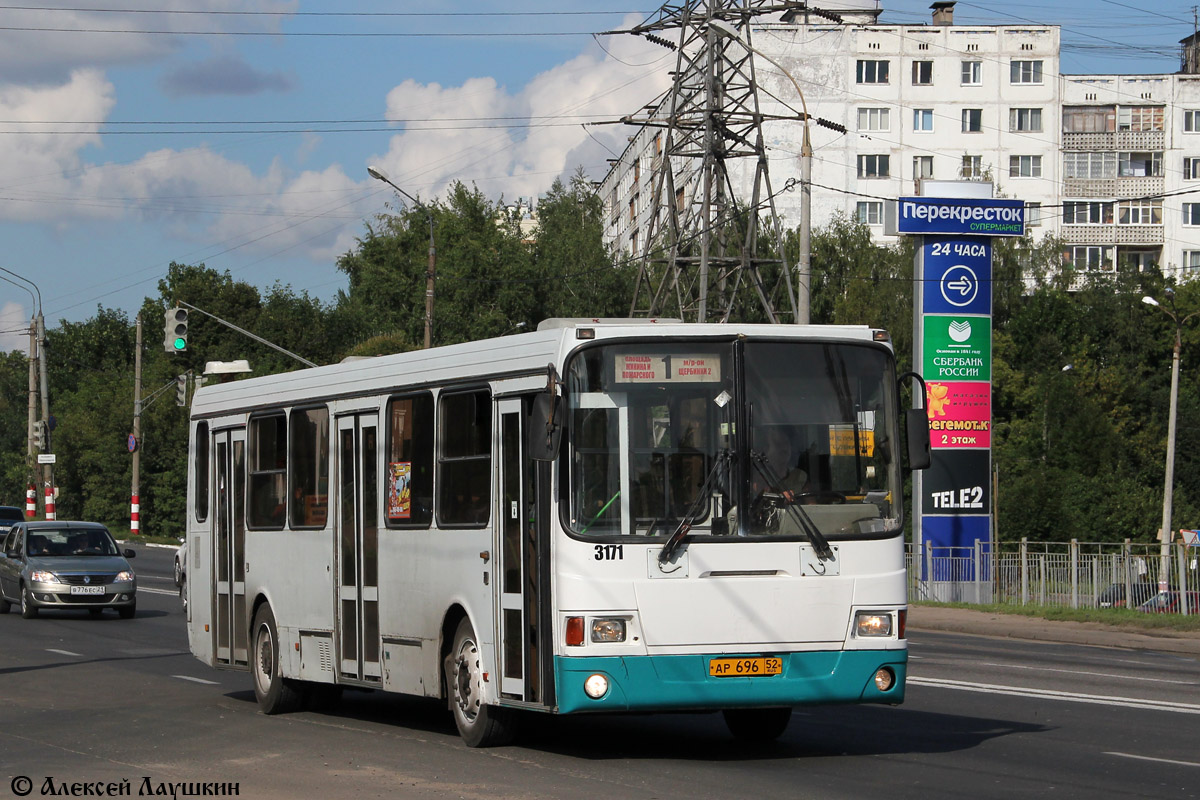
x: 972, y: 167
x: 972, y: 73
x: 633, y: 209
x: 633, y: 242
x: 1024, y: 166
x: 1146, y: 118
x: 1025, y: 72
x: 1191, y: 214
x: 972, y: 120
x: 1191, y: 120
x: 922, y: 73
x: 1089, y: 166
x: 1033, y: 214
x: 1191, y: 168
x: 410, y: 462
x: 870, y: 212
x: 308, y: 468
x: 266, y: 441
x: 637, y: 170
x: 873, y: 166
x: 923, y: 167
x: 874, y: 119
x: 1139, y: 212
x: 1139, y: 165
x: 1090, y: 257
x: 1191, y: 260
x: 465, y: 458
x: 1087, y: 213
x: 1089, y: 119
x: 872, y: 71
x: 923, y: 119
x: 1025, y: 119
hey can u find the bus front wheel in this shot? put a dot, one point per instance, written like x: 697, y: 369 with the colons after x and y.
x: 757, y: 724
x: 479, y: 725
x: 275, y: 694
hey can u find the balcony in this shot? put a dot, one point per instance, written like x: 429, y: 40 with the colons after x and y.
x: 1112, y: 234
x: 1115, y: 140
x: 1113, y: 187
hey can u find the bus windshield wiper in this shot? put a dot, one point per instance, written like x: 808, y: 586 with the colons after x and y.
x: 798, y: 515
x: 689, y: 518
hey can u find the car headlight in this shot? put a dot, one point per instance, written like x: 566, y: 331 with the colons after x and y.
x: 608, y: 630
x: 873, y: 623
x: 123, y: 575
x: 42, y: 576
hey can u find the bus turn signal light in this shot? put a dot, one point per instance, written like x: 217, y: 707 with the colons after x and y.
x: 574, y: 631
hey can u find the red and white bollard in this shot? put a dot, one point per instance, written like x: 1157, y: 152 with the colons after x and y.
x: 134, y: 521
x: 30, y: 502
x: 50, y: 503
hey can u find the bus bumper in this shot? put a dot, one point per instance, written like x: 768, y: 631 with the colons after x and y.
x: 682, y: 682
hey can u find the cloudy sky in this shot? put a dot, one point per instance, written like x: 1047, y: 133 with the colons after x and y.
x: 237, y: 133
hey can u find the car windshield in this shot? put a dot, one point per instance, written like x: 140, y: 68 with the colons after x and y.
x: 749, y: 438
x: 53, y: 542
x: 10, y: 514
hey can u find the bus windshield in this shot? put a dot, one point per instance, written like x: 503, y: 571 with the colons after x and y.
x: 740, y: 438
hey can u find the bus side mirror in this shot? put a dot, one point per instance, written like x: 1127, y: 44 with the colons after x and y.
x: 545, y: 427
x: 916, y: 425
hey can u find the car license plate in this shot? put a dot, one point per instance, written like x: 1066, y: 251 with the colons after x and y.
x: 87, y: 590
x: 744, y: 667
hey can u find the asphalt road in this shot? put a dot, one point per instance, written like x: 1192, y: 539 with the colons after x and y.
x: 122, y: 702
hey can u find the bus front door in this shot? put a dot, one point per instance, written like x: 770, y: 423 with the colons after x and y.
x: 231, y: 628
x: 521, y: 517
x: 358, y: 547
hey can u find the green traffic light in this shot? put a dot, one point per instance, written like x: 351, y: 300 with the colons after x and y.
x: 180, y: 343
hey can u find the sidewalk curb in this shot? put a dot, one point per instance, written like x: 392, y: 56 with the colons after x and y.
x: 1016, y: 626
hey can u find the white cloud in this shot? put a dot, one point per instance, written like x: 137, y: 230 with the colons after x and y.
x: 517, y: 161
x: 46, y: 44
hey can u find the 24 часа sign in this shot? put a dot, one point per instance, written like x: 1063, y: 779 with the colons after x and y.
x: 957, y: 276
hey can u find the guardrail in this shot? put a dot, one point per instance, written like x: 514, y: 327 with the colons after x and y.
x: 1062, y: 574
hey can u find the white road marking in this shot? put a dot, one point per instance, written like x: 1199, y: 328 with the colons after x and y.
x: 64, y: 652
x: 1081, y: 672
x: 148, y: 590
x: 195, y: 680
x: 1159, y: 760
x: 1070, y: 697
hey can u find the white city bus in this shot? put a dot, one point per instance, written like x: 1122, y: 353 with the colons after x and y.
x: 597, y: 516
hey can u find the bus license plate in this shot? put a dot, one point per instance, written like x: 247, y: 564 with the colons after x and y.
x: 744, y: 667
x: 87, y: 590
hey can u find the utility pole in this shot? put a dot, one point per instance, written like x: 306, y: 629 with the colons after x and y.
x: 31, y: 449
x: 702, y: 249
x: 48, y: 467
x: 135, y: 444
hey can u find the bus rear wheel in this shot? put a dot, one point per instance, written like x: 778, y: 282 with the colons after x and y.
x: 275, y: 694
x: 757, y: 724
x: 479, y: 725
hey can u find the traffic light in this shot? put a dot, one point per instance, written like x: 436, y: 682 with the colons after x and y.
x: 181, y: 390
x: 175, y: 327
x: 39, y: 435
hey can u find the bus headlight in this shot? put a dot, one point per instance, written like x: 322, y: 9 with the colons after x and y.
x: 608, y: 630
x: 872, y: 623
x: 596, y: 686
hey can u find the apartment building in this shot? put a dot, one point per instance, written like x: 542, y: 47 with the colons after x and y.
x: 1105, y: 162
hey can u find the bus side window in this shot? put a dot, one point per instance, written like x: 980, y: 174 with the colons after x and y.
x: 464, y: 459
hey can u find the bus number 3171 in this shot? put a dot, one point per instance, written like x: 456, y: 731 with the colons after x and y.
x: 610, y: 552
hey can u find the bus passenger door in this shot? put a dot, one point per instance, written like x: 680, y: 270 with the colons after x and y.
x: 358, y: 547
x: 520, y: 547
x: 231, y: 628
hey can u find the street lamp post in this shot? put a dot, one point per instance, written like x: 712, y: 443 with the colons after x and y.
x: 380, y: 175
x: 1164, y: 567
x: 40, y: 333
x: 804, y: 281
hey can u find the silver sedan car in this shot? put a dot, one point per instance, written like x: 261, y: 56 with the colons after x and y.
x: 65, y: 565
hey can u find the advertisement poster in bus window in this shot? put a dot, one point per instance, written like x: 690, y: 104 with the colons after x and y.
x: 960, y: 414
x: 400, y: 490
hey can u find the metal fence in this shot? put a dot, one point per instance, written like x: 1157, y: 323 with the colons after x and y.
x: 1064, y: 574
